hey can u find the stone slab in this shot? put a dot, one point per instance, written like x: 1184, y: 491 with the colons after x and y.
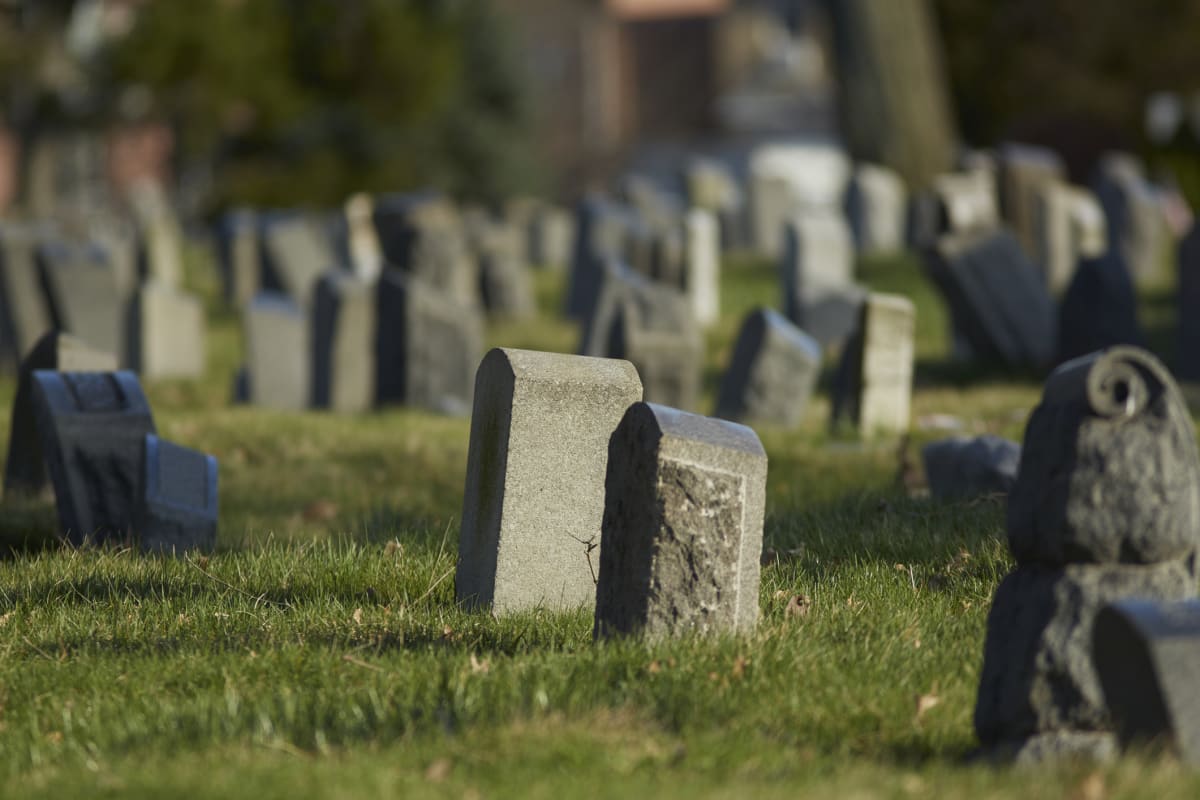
x: 83, y: 295
x: 962, y: 467
x: 1099, y: 309
x: 875, y: 389
x: 296, y: 252
x: 166, y: 333
x: 177, y: 499
x: 343, y: 343
x: 276, y: 336
x: 24, y: 312
x: 772, y: 374
x: 817, y: 276
x: 877, y: 209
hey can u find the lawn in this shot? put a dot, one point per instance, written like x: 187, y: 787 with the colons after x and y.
x: 319, y: 653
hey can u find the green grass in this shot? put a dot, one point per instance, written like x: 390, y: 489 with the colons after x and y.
x: 319, y: 653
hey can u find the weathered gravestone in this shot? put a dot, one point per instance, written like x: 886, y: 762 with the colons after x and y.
x: 1106, y: 506
x: 998, y: 302
x: 1099, y: 309
x: 601, y: 229
x: 772, y: 373
x: 176, y: 508
x: 24, y: 313
x: 817, y: 275
x: 426, y: 346
x: 1148, y: 657
x: 25, y: 470
x: 534, y: 494
x: 961, y: 468
x: 238, y: 252
x: 276, y: 331
x: 650, y: 325
x: 877, y: 207
x: 343, y: 343
x: 166, y: 332
x: 92, y: 427
x: 551, y: 235
x: 712, y: 187
x: 83, y: 294
x: 1069, y: 226
x: 160, y: 246
x: 422, y: 235
x: 1022, y: 171
x: 791, y: 178
x: 1187, y: 350
x: 874, y: 389
x: 702, y: 273
x: 682, y: 531
x: 1136, y: 228
x: 362, y: 242
x: 505, y: 282
x: 296, y: 252
x: 966, y: 202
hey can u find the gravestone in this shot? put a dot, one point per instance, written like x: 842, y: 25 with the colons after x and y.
x: 702, y: 279
x: 772, y: 373
x: 166, y: 332
x: 772, y: 203
x: 787, y: 179
x: 1106, y: 506
x: 534, y: 494
x: 1069, y: 227
x: 966, y: 202
x: 876, y: 206
x: 712, y: 187
x: 92, y: 427
x: 422, y: 235
x: 343, y: 343
x: 366, y: 254
x: 961, y: 468
x: 874, y: 390
x: 296, y: 252
x: 82, y: 294
x: 600, y: 233
x: 682, y: 529
x: 1022, y: 172
x: 25, y: 469
x: 551, y: 234
x: 505, y: 282
x: 997, y: 300
x: 176, y: 508
x: 160, y: 250
x: 238, y: 251
x: 1135, y: 223
x: 817, y: 275
x: 276, y: 335
x: 24, y: 312
x: 1187, y: 350
x: 1099, y: 309
x: 1147, y: 654
x: 426, y: 346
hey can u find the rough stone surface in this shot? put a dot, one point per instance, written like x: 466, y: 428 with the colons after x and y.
x: 238, y: 254
x: 962, y: 467
x: 1187, y: 349
x: 1136, y: 227
x: 25, y: 469
x: 295, y: 253
x: 1099, y: 309
x: 83, y: 294
x: 276, y: 332
x: 1109, y: 469
x: 772, y: 374
x: 1147, y: 655
x: 1022, y: 171
x: 877, y: 208
x: 24, y: 314
x: 427, y: 346
x: 343, y: 343
x: 534, y: 494
x: 817, y: 275
x: 682, y: 530
x: 874, y: 391
x: 92, y: 427
x: 177, y: 499
x: 1038, y: 675
x: 166, y: 332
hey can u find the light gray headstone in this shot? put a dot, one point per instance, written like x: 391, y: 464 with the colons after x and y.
x: 1023, y: 170
x: 161, y: 240
x: 551, y: 235
x: 238, y: 247
x: 296, y: 253
x: 1135, y: 223
x: 177, y: 499
x: 772, y: 373
x: 506, y: 284
x: 702, y: 278
x: 366, y: 254
x: 276, y: 332
x: 817, y: 276
x: 343, y: 343
x: 534, y: 494
x: 1069, y: 227
x: 24, y: 312
x: 682, y: 531
x: 967, y: 202
x: 877, y: 208
x: 875, y: 392
x: 167, y: 330
x: 83, y: 294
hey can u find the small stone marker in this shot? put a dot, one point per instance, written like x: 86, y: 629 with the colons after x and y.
x: 773, y: 203
x: 296, y: 253
x: 1147, y: 655
x: 238, y: 249
x: 534, y: 494
x: 961, y: 468
x: 343, y: 343
x: 24, y: 313
x: 1106, y: 506
x: 83, y: 294
x: 877, y: 207
x: 1099, y: 309
x: 92, y: 427
x: 702, y: 279
x: 875, y: 392
x: 177, y: 499
x: 772, y: 374
x: 817, y: 275
x: 25, y: 469
x: 1187, y: 349
x: 276, y: 334
x: 166, y: 332
x: 1023, y: 170
x: 682, y: 530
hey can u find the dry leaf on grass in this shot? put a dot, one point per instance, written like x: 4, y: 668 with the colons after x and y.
x: 357, y: 616
x: 438, y: 771
x: 798, y: 606
x: 1091, y: 788
x: 4, y: 618
x: 393, y: 549
x: 739, y: 666
x: 480, y: 666
x: 925, y: 702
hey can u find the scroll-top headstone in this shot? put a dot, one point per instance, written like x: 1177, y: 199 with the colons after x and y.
x: 772, y: 373
x: 682, y: 533
x: 534, y: 494
x: 177, y: 499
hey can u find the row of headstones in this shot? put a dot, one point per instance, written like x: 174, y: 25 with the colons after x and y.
x: 118, y: 290
x: 85, y: 432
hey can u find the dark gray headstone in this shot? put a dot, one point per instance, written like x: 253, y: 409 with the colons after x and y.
x: 177, y: 499
x: 1099, y: 309
x: 817, y: 276
x: 682, y: 531
x: 422, y: 235
x: 343, y: 342
x: 25, y: 470
x: 1136, y: 227
x: 24, y: 313
x: 961, y: 467
x: 166, y: 332
x: 92, y: 427
x: 1148, y: 657
x: 276, y: 332
x: 1187, y: 350
x: 772, y: 374
x: 600, y: 233
x: 83, y: 295
x: 296, y: 252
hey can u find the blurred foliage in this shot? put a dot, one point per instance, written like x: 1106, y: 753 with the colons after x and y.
x: 306, y: 101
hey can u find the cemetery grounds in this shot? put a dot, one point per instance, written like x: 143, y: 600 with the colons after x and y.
x: 319, y: 652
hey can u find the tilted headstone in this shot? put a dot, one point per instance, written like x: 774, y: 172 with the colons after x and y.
x: 176, y: 508
x: 702, y: 279
x: 1069, y: 227
x: 423, y: 236
x: 1135, y: 223
x: 1187, y: 349
x: 83, y: 294
x: 877, y: 207
x: 426, y: 347
x: 276, y: 335
x: 997, y: 300
x: 25, y: 469
x: 1022, y: 171
x: 238, y: 251
x: 1099, y: 309
x: 682, y: 530
x: 296, y: 252
x: 961, y: 468
x: 534, y: 494
x: 506, y: 285
x: 343, y: 343
x: 817, y: 275
x: 24, y: 312
x: 875, y: 389
x: 1106, y: 506
x: 366, y: 254
x: 600, y: 234
x: 772, y: 373
x: 92, y: 427
x: 1147, y: 655
x: 166, y: 332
